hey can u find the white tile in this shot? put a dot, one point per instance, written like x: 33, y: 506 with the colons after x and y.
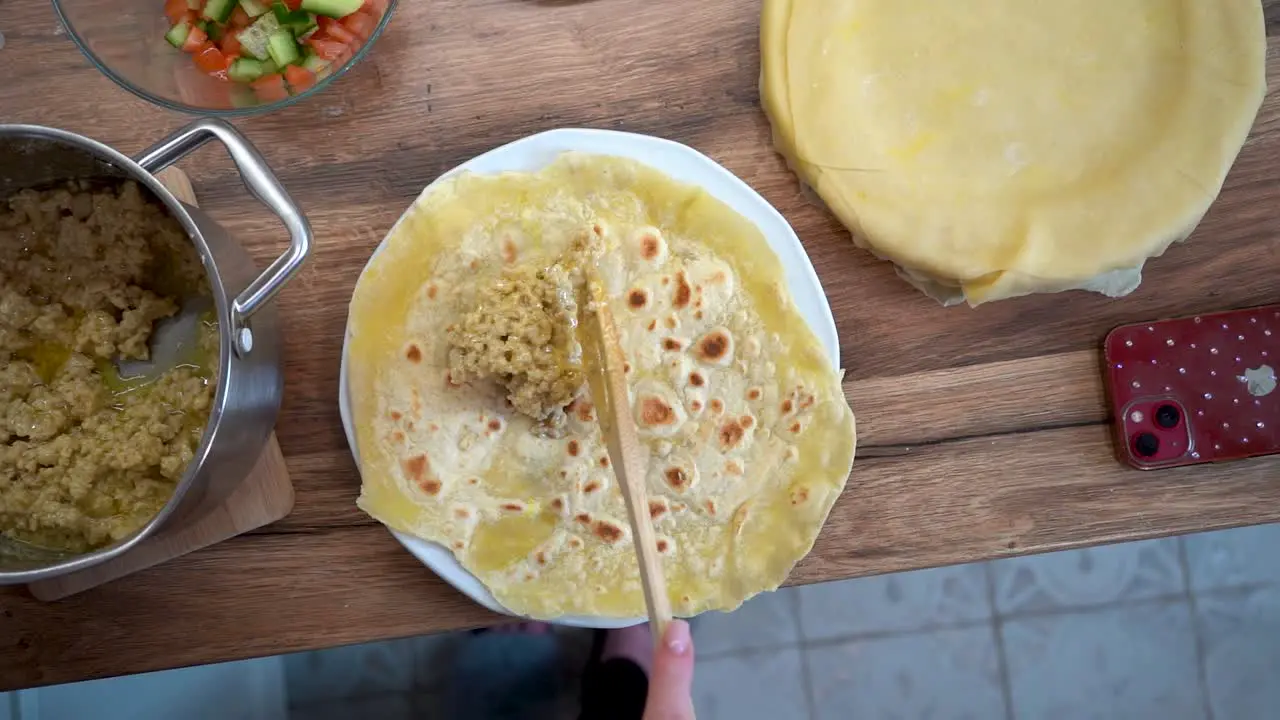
x: 896, y: 602
x: 767, y: 620
x: 1240, y: 631
x: 767, y: 685
x: 942, y: 675
x: 1134, y: 661
x: 393, y: 706
x: 355, y: 670
x: 1074, y: 579
x: 1229, y: 558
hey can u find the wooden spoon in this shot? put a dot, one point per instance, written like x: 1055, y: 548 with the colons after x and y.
x: 604, y: 362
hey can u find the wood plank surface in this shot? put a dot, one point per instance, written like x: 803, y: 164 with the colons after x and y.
x: 983, y: 432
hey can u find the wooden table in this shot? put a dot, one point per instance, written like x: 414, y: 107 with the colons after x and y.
x: 983, y: 432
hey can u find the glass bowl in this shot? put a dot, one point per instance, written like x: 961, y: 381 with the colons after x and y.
x: 125, y: 39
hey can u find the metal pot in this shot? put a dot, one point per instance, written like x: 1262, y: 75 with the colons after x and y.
x: 250, y: 383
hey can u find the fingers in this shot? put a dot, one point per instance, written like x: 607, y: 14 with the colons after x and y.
x: 671, y: 680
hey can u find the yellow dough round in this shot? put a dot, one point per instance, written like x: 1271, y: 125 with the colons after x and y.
x: 993, y: 148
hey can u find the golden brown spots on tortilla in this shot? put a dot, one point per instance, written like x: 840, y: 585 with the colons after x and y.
x: 649, y: 246
x: 753, y: 394
x: 461, y: 513
x: 672, y: 345
x: 638, y: 298
x: 495, y: 424
x: 473, y: 264
x: 717, y: 406
x: 604, y: 461
x: 676, y: 478
x: 430, y: 486
x: 529, y: 577
x: 415, y: 467
x: 679, y: 507
x: 626, y: 368
x: 396, y: 415
x: 683, y: 293
x: 409, y: 426
x: 696, y: 405
x: 731, y: 434
x: 540, y: 557
x: 654, y: 411
x: 747, y: 421
x: 557, y: 504
x: 607, y: 531
x: 653, y: 325
x: 795, y: 427
x: 710, y: 505
x: 432, y: 427
x: 713, y: 347
x: 573, y: 448
x: 458, y: 545
x: 591, y: 486
x: 799, y: 494
x: 584, y: 518
x: 740, y: 517
x: 733, y: 468
x: 806, y: 402
x: 786, y: 406
x: 717, y: 277
x: 584, y: 412
x: 397, y: 437
x: 671, y: 322
x: 663, y: 545
x: 413, y: 353
x: 473, y: 481
x: 508, y: 251
x: 431, y: 291
x: 666, y: 279
x: 696, y: 379
x: 512, y: 506
x: 575, y: 542
x: 657, y: 508
x: 697, y: 315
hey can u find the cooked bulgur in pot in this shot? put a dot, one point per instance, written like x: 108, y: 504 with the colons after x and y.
x: 86, y: 456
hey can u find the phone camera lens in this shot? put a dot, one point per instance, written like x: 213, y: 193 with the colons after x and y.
x: 1146, y: 445
x: 1167, y: 417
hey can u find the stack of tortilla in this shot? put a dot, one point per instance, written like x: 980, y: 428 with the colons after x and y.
x: 749, y: 436
x: 995, y: 148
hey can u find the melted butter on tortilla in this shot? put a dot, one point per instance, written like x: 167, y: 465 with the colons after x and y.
x: 749, y: 435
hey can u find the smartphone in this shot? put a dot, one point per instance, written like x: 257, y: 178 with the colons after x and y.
x: 1196, y: 389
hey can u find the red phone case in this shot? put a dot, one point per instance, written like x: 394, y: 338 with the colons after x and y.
x: 1216, y: 372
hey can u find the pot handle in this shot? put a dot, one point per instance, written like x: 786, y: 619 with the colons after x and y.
x: 263, y: 185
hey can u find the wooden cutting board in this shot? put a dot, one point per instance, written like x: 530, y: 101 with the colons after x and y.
x: 982, y: 433
x: 264, y: 497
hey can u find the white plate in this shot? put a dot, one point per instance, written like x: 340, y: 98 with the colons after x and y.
x: 682, y: 163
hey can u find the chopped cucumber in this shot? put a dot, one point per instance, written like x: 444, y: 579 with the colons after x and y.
x: 332, y: 8
x: 315, y: 63
x: 177, y: 35
x: 285, y: 16
x: 254, y: 39
x: 283, y: 48
x: 254, y: 7
x: 269, y: 67
x: 304, y: 35
x: 214, y: 31
x: 245, y: 70
x: 219, y: 10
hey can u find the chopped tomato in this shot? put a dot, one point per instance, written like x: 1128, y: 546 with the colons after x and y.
x: 360, y: 24
x: 211, y: 60
x: 196, y: 40
x: 299, y: 78
x: 376, y: 7
x: 230, y: 44
x: 331, y: 29
x: 327, y: 49
x: 175, y: 10
x: 293, y: 4
x: 270, y: 88
x: 239, y: 18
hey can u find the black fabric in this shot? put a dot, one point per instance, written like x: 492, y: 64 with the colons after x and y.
x: 614, y: 690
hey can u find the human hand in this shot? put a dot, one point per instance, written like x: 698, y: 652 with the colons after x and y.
x: 671, y: 679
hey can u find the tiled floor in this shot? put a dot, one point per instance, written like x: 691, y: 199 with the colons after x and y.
x: 1165, y: 629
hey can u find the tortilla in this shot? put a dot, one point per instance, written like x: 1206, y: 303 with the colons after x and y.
x: 995, y: 148
x: 750, y: 437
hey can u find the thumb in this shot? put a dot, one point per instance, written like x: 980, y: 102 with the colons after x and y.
x: 671, y: 679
